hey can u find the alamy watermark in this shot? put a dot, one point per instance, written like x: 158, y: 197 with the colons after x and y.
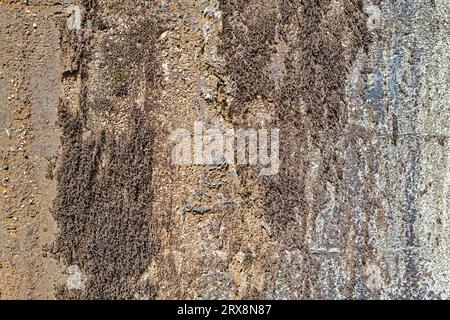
x: 214, y: 146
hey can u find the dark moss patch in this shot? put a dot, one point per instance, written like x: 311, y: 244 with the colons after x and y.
x: 103, y: 208
x: 246, y: 47
x: 310, y: 97
x: 318, y: 48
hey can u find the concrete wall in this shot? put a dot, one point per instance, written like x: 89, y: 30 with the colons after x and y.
x: 93, y: 207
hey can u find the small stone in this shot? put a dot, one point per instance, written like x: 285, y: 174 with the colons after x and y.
x: 164, y: 35
x: 197, y: 209
x: 240, y: 257
x: 266, y: 227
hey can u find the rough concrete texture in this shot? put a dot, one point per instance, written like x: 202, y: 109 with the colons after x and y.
x: 91, y: 90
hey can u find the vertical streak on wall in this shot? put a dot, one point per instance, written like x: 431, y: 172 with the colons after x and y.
x: 403, y: 105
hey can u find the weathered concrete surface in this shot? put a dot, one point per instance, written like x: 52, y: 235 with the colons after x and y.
x: 359, y: 89
x: 29, y: 93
